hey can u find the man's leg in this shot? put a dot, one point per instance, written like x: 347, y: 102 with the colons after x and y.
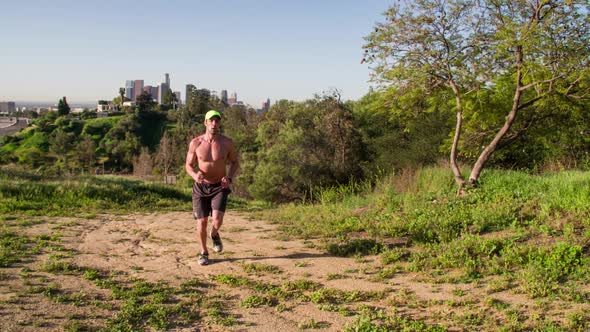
x: 202, y: 230
x: 217, y: 221
x: 216, y: 224
x: 218, y: 203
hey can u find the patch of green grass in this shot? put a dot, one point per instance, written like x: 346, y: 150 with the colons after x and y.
x: 548, y: 268
x: 335, y: 276
x: 301, y: 285
x: 231, y: 280
x: 87, y: 195
x: 13, y: 247
x: 341, y: 309
x: 496, y: 304
x: 388, y: 272
x: 53, y: 265
x: 355, y: 247
x: 255, y: 301
x: 335, y: 296
x: 375, y: 320
x: 74, y: 325
x: 259, y: 268
x: 394, y: 255
x: 311, y: 323
x: 192, y: 286
x: 218, y: 315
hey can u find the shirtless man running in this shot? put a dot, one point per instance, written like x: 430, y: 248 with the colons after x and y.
x: 211, y: 152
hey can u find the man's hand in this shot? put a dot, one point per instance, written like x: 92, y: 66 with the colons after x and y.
x: 225, y: 182
x: 200, y: 177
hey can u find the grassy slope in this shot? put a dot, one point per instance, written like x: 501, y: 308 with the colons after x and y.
x: 25, y: 193
x: 515, y: 233
x: 531, y: 230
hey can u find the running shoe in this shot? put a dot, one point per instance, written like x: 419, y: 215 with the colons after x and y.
x: 203, y: 259
x: 217, y: 244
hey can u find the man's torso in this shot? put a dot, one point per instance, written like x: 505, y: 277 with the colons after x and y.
x: 212, y: 157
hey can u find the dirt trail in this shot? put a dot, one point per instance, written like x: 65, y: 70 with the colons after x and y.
x: 163, y: 247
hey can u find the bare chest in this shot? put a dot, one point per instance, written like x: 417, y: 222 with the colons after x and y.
x: 213, y: 151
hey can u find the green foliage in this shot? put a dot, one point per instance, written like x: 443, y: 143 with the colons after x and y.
x: 258, y: 268
x: 144, y: 102
x: 494, y: 62
x: 86, y: 194
x: 13, y: 247
x: 255, y: 301
x: 401, y: 128
x: 355, y: 247
x: 547, y: 269
x: 231, y: 280
x: 62, y: 107
x: 377, y: 321
x: 97, y: 128
x: 493, y: 230
x: 303, y: 145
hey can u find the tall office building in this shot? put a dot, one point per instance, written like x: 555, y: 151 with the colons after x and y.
x: 266, y: 105
x: 137, y: 88
x: 189, y: 92
x: 224, y: 97
x: 177, y: 93
x: 154, y: 92
x: 233, y: 98
x: 7, y: 107
x: 161, y: 91
x: 129, y: 93
x: 167, y: 79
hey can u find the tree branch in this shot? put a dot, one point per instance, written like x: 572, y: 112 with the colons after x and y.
x: 524, y: 87
x: 530, y: 102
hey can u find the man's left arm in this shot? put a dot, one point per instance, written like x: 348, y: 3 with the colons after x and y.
x: 233, y: 161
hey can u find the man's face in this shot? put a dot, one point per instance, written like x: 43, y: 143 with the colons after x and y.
x: 213, y: 125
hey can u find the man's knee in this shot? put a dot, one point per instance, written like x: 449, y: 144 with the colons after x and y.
x: 201, y: 222
x: 217, y: 215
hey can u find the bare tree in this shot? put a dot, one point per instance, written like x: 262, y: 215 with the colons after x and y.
x: 465, y: 44
x: 167, y: 153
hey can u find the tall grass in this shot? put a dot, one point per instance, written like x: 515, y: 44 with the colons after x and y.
x: 495, y: 228
x: 23, y: 192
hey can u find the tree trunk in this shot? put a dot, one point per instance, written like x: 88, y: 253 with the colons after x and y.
x: 487, y: 152
x: 453, y: 159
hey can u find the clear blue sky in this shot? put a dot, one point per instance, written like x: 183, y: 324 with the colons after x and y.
x: 259, y: 48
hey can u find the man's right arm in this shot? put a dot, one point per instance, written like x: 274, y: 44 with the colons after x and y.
x: 191, y: 159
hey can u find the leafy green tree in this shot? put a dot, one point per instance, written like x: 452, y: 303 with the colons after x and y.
x: 45, y: 122
x: 88, y: 114
x: 121, y: 97
x: 144, y: 102
x: 241, y: 123
x: 301, y: 146
x: 401, y: 132
x: 62, y: 107
x: 86, y: 152
x: 60, y: 143
x: 168, y: 97
x: 69, y: 125
x: 122, y: 143
x: 466, y: 45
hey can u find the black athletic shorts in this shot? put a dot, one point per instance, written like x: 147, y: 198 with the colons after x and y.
x: 208, y: 197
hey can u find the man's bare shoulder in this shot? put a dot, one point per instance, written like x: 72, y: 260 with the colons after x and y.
x: 197, y: 140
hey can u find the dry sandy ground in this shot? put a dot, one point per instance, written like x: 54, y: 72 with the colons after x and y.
x: 163, y: 247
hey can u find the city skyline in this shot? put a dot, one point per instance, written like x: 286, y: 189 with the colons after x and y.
x: 261, y: 50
